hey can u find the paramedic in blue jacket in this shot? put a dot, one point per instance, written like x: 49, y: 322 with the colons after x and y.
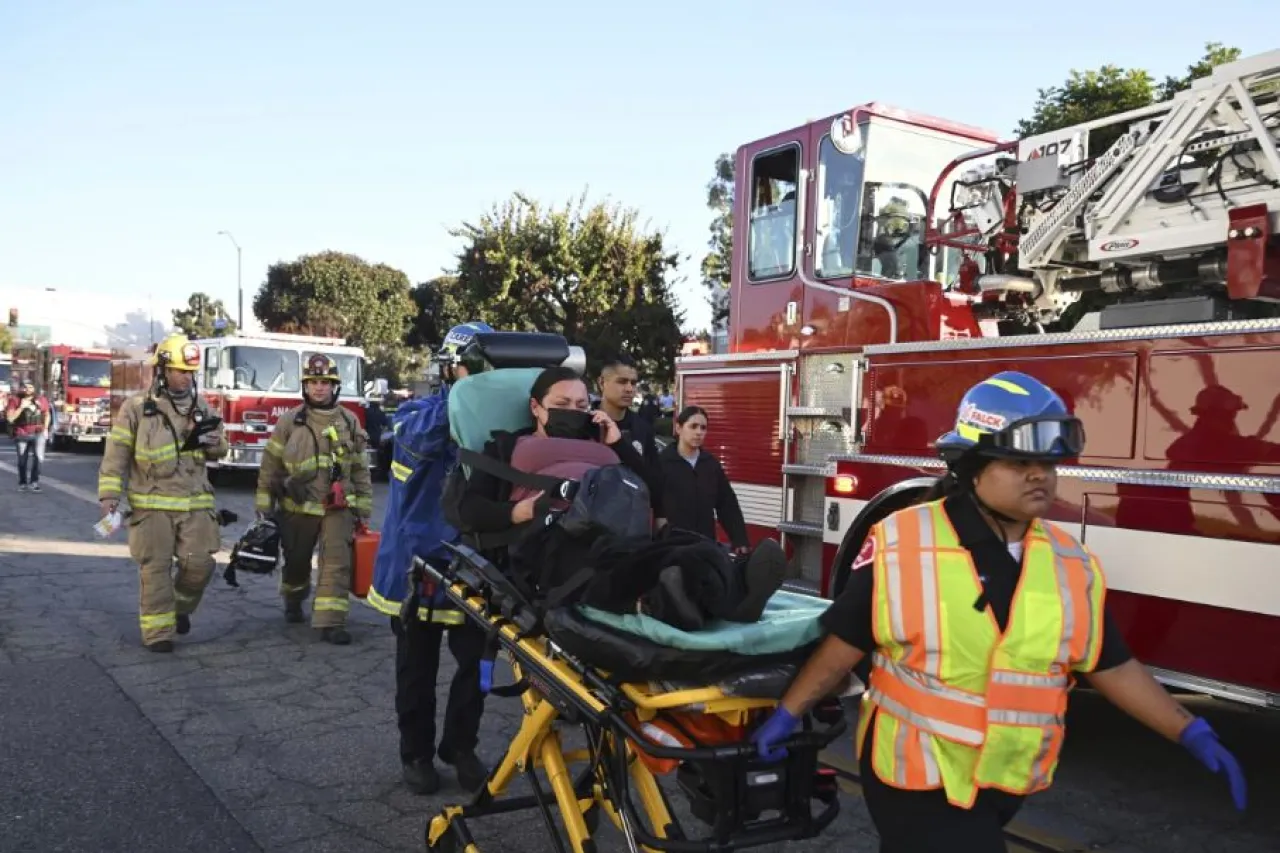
x: 422, y: 455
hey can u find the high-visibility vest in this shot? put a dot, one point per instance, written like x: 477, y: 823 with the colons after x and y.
x: 957, y: 704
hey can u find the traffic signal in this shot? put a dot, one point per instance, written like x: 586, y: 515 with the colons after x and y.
x: 13, y: 317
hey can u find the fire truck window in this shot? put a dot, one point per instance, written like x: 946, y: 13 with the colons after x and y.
x: 88, y: 373
x: 348, y: 371
x: 771, y: 251
x: 891, y: 234
x: 264, y: 369
x: 840, y: 179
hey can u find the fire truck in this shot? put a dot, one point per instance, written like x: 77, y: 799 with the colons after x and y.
x: 251, y: 380
x: 885, y: 261
x: 77, y: 381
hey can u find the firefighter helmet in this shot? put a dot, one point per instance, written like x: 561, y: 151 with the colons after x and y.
x: 1015, y: 416
x: 456, y: 348
x: 177, y: 353
x: 258, y: 550
x: 320, y: 366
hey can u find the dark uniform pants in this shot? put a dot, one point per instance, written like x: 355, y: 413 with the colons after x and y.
x: 417, y: 664
x: 924, y: 822
x: 299, y: 534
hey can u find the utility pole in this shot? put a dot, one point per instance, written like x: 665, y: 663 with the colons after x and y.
x: 239, y: 279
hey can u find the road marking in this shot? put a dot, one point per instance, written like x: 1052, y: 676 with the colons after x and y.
x: 1022, y: 838
x: 58, y: 485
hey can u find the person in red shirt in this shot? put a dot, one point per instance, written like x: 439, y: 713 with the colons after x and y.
x: 28, y: 416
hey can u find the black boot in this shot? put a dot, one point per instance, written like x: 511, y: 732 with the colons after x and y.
x: 337, y: 636
x: 669, y: 601
x: 421, y: 777
x: 470, y: 769
x: 163, y: 646
x: 764, y: 572
x: 293, y: 612
x: 184, y: 623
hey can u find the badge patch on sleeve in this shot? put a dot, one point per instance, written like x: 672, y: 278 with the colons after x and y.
x: 867, y: 555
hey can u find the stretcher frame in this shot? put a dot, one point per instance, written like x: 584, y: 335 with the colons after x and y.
x: 556, y: 689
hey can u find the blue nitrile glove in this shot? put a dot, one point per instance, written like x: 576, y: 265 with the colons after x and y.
x: 1202, y: 741
x: 486, y: 676
x: 777, y: 728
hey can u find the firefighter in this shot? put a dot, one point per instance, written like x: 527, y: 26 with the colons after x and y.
x: 315, y: 479
x: 964, y: 716
x: 149, y: 457
x: 414, y: 525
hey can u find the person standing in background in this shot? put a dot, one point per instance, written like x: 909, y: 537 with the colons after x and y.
x: 619, y: 380
x: 28, y: 416
x: 696, y: 491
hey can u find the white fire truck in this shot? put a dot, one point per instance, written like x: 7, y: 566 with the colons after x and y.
x: 885, y: 261
x: 251, y: 380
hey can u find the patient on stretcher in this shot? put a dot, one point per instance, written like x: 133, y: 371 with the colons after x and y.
x: 676, y: 576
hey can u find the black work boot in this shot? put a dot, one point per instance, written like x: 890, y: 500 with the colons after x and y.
x: 420, y: 776
x: 669, y: 601
x: 338, y: 636
x: 162, y: 646
x: 293, y: 612
x: 184, y: 623
x: 763, y: 573
x: 469, y: 768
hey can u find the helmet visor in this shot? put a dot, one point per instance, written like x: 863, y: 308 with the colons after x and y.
x: 1049, y: 438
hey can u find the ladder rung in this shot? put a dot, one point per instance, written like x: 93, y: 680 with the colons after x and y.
x: 810, y: 470
x: 800, y: 528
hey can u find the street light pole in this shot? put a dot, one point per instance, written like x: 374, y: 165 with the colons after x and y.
x: 239, y: 279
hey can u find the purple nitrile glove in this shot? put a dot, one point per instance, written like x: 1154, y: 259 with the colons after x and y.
x: 777, y: 728
x: 486, y: 676
x: 1202, y: 742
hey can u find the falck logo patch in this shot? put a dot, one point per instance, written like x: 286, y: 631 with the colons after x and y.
x: 867, y: 555
x: 971, y: 414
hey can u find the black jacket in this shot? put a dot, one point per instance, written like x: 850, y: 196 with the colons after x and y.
x: 694, y: 495
x: 639, y: 434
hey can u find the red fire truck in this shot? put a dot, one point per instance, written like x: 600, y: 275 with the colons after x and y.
x: 886, y: 261
x: 251, y: 380
x: 77, y: 381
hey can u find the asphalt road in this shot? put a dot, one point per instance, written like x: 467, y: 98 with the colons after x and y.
x: 255, y: 736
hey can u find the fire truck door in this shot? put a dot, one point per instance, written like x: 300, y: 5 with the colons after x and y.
x: 767, y: 291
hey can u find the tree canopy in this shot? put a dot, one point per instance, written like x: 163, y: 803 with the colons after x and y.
x: 198, y: 318
x: 6, y: 339
x: 1111, y: 89
x: 342, y: 295
x: 718, y: 262
x: 589, y: 272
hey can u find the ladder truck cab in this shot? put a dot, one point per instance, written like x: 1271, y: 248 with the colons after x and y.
x: 250, y: 380
x: 885, y: 261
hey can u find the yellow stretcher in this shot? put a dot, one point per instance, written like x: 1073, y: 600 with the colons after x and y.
x: 634, y: 730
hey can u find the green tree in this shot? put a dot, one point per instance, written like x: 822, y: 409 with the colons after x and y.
x: 1111, y: 89
x: 718, y: 262
x: 6, y: 339
x: 589, y: 272
x: 345, y: 296
x: 197, y: 319
x: 440, y: 306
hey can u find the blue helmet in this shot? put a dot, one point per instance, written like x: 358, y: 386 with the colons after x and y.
x: 462, y: 335
x: 1013, y: 415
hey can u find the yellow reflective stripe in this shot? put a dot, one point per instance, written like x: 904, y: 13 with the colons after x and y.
x: 121, y: 435
x: 305, y: 508
x: 171, y: 503
x: 262, y: 500
x: 442, y: 616
x: 1011, y: 387
x: 153, y: 621
x: 360, y: 502
x: 155, y: 454
x: 332, y: 604
x: 107, y: 484
x: 294, y: 587
x: 401, y: 472
x: 275, y: 447
x: 309, y: 464
x: 382, y: 604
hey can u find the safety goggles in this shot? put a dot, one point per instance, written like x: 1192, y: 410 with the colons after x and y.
x: 1037, y: 438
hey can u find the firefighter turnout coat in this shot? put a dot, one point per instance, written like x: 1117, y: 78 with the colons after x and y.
x: 308, y: 448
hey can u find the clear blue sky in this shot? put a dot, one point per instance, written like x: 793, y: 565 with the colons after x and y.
x: 131, y: 131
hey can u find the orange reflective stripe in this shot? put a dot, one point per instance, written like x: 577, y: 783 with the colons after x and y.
x: 946, y: 712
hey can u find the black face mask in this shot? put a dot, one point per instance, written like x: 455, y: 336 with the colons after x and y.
x: 569, y: 423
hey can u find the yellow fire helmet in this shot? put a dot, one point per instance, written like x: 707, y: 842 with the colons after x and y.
x: 177, y: 352
x: 320, y: 366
